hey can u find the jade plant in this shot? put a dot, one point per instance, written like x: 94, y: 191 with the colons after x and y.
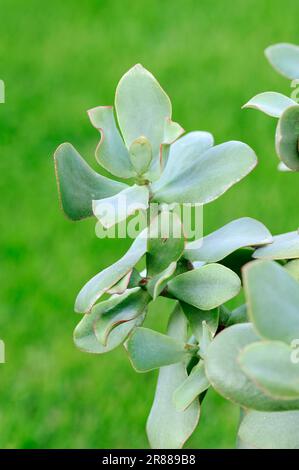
x: 284, y: 58
x: 247, y: 354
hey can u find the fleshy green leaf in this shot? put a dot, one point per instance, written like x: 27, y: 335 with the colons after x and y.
x: 238, y: 259
x: 238, y: 315
x: 172, y: 131
x: 149, y: 349
x: 183, y: 153
x: 284, y: 57
x: 206, y: 287
x: 278, y: 430
x: 121, y: 285
x: 232, y: 236
x: 207, y: 336
x: 284, y: 246
x: 119, y: 309
x: 166, y: 242
x: 78, y: 184
x: 115, y: 209
x: 142, y: 109
x: 111, y: 152
x: 177, y: 325
x: 159, y: 281
x: 141, y: 154
x: 86, y: 340
x: 293, y: 268
x: 191, y: 388
x: 270, y: 102
x: 286, y: 139
x: 208, y: 176
x: 166, y: 427
x: 269, y: 364
x: 273, y: 300
x: 226, y: 376
x: 283, y: 168
x: 196, y: 317
x: 107, y: 278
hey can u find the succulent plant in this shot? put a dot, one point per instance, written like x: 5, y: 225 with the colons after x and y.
x: 284, y: 58
x: 147, y: 149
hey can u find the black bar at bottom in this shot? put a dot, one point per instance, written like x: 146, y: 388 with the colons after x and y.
x: 136, y: 457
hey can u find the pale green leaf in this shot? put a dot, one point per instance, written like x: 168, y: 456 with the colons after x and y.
x: 118, y: 309
x: 107, y: 278
x: 115, y: 209
x: 283, y: 168
x: 166, y: 427
x: 166, y: 242
x: 276, y: 430
x: 206, y: 339
x: 78, y: 184
x: 191, y: 388
x: 141, y: 154
x: 286, y: 139
x: 196, y: 317
x: 238, y: 315
x: 182, y: 154
x: 269, y: 364
x: 284, y: 57
x: 273, y: 300
x: 111, y: 152
x: 121, y: 285
x: 149, y: 349
x: 224, y: 314
x: 142, y: 108
x: 177, y: 325
x: 86, y: 340
x: 293, y: 268
x: 226, y: 376
x: 159, y: 281
x: 206, y: 287
x: 208, y: 176
x: 270, y: 102
x: 172, y: 131
x: 232, y: 236
x: 284, y: 246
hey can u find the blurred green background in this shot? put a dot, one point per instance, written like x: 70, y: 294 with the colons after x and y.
x: 59, y: 59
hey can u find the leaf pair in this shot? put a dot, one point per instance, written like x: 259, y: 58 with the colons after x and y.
x: 285, y: 59
x: 102, y: 282
x: 253, y: 366
x: 110, y: 322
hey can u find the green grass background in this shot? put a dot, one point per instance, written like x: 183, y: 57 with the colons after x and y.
x: 59, y: 59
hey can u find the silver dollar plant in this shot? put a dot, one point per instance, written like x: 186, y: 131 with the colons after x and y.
x: 244, y: 354
x: 284, y: 58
